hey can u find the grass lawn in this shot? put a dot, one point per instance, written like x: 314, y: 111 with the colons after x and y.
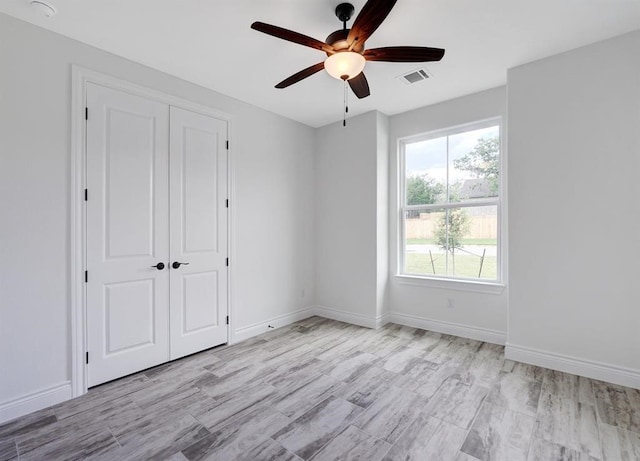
x: 469, y: 241
x: 465, y: 265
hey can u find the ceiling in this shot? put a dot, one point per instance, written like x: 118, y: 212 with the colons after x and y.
x: 209, y: 42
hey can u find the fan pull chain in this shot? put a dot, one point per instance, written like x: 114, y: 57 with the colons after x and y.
x: 346, y: 103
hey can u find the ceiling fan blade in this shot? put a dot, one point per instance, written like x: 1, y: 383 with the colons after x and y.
x: 304, y: 73
x: 359, y: 85
x: 295, y: 37
x: 368, y: 20
x: 404, y: 54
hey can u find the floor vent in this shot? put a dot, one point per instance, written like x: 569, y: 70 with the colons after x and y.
x: 414, y: 76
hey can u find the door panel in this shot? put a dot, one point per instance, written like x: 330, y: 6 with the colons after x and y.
x: 200, y: 158
x: 129, y: 315
x: 129, y: 156
x: 198, y: 192
x: 127, y: 233
x: 200, y: 306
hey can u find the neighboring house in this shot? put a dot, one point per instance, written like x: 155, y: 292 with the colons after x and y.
x: 475, y: 189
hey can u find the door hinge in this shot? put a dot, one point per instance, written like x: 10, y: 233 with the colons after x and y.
x: 227, y: 262
x: 227, y: 320
x: 87, y: 358
x: 227, y: 145
x: 86, y: 195
x: 86, y: 276
x: 227, y: 203
x: 86, y: 113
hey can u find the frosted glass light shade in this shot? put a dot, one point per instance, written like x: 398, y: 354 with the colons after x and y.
x: 344, y: 65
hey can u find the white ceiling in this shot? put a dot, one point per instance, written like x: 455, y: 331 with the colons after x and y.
x: 209, y: 42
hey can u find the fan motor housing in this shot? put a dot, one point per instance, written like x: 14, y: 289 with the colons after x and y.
x: 338, y: 40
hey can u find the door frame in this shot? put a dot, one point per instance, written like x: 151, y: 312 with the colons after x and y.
x: 80, y: 76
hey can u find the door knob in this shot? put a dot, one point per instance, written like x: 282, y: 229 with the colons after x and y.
x: 159, y: 266
x: 177, y: 264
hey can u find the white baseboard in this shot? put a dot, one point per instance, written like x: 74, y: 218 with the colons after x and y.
x: 262, y: 327
x: 465, y: 331
x: 456, y: 329
x: 382, y: 320
x: 283, y: 320
x: 568, y: 364
x: 347, y: 317
x: 34, y: 402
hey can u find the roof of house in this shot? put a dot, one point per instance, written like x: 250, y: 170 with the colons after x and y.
x: 476, y: 188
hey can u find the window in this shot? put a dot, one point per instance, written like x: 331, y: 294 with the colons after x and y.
x: 450, y: 203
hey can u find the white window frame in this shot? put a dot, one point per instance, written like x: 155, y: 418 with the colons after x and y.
x: 446, y: 281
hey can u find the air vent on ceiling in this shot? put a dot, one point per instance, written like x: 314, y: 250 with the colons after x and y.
x: 414, y: 76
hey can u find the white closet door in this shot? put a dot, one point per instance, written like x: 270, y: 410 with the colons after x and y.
x: 127, y: 233
x: 198, y: 194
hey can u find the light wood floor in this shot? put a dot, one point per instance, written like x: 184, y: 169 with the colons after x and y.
x: 325, y: 390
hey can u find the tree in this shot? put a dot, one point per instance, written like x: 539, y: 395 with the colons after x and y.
x: 422, y: 190
x: 483, y: 161
x: 453, y: 225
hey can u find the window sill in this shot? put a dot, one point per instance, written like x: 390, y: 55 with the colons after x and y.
x: 493, y: 288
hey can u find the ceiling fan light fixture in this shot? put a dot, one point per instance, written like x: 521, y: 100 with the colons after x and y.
x: 346, y: 50
x: 344, y: 65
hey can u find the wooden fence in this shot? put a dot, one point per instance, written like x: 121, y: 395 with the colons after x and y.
x: 424, y: 227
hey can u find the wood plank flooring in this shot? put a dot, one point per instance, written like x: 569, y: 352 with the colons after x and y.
x: 323, y: 390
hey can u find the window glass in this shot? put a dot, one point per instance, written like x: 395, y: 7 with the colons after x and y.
x: 426, y: 172
x: 450, y: 217
x: 474, y: 164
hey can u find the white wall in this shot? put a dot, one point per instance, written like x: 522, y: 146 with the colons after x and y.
x: 273, y: 203
x: 382, y: 213
x: 574, y: 166
x: 350, y: 207
x: 475, y: 314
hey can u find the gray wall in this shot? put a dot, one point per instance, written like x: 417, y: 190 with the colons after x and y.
x: 483, y: 313
x: 273, y: 202
x: 382, y: 214
x: 574, y: 224
x: 346, y: 216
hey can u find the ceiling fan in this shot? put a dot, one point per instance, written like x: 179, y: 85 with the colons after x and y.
x: 345, y: 48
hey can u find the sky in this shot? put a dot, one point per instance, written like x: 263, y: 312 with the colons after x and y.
x: 430, y: 156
